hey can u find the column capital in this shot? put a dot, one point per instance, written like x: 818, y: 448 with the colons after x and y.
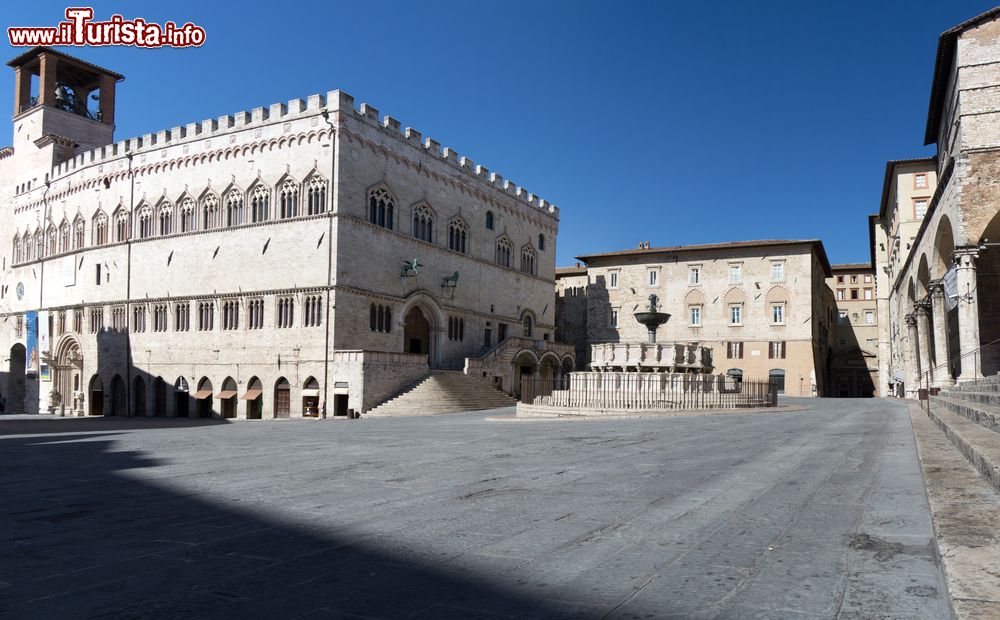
x: 911, y: 319
x: 936, y: 287
x: 965, y: 256
x: 922, y: 306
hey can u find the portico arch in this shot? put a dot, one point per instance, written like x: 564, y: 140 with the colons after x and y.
x: 118, y: 397
x: 525, y: 366
x: 15, y: 379
x: 420, y: 322
x: 944, y: 247
x: 96, y: 395
x: 67, y: 370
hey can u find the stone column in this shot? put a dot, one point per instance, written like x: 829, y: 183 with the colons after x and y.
x: 47, y: 79
x: 968, y: 313
x: 22, y: 89
x: 911, y: 364
x: 942, y: 370
x: 922, y: 314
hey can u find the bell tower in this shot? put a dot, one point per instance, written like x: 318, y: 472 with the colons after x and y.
x: 61, y: 102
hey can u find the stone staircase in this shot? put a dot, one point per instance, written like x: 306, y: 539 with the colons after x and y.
x: 969, y: 415
x: 444, y: 391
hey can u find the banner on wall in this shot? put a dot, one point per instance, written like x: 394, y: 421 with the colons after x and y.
x: 950, y: 281
x: 43, y: 345
x: 31, y: 342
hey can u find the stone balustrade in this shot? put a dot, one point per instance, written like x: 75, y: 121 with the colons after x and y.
x: 659, y: 357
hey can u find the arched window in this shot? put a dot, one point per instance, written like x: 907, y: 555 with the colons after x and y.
x: 289, y: 198
x: 210, y: 216
x: 52, y: 245
x: 527, y: 326
x: 78, y: 233
x: 380, y: 318
x: 456, y: 328
x: 504, y: 250
x: 164, y: 219
x: 16, y: 258
x: 26, y: 247
x: 457, y: 236
x: 39, y: 244
x: 313, y: 308
x: 99, y: 228
x: 527, y: 260
x: 64, y: 236
x: 381, y: 206
x: 489, y: 220
x: 423, y: 224
x: 316, y: 196
x: 144, y: 219
x: 121, y: 225
x: 189, y: 219
x: 260, y: 204
x: 541, y: 242
x: 234, y: 208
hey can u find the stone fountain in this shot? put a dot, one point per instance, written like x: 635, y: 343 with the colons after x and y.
x: 652, y: 319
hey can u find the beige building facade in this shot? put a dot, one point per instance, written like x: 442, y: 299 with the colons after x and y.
x: 758, y: 305
x: 854, y: 368
x: 304, y: 256
x: 941, y: 295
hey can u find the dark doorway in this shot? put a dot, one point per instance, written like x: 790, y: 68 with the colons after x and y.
x: 15, y: 380
x: 181, y: 398
x: 227, y: 398
x: 501, y: 332
x: 254, y: 398
x: 310, y: 398
x: 416, y: 332
x: 340, y: 404
x: 160, y: 397
x: 282, y: 399
x: 96, y: 396
x: 118, y: 398
x: 204, y: 397
x: 138, y: 397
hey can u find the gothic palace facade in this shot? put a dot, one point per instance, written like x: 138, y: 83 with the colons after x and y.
x: 249, y: 266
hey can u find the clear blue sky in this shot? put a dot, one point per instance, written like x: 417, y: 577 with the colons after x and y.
x: 676, y: 122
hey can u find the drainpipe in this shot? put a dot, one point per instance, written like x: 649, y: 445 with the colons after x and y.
x: 329, y: 260
x: 128, y: 290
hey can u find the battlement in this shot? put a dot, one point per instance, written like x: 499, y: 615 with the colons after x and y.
x: 333, y: 101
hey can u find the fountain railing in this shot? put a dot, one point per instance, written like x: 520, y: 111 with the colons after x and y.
x: 659, y: 357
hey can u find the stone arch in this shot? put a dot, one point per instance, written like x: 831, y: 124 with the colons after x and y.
x: 204, y: 397
x: 694, y: 297
x: 182, y: 398
x: 567, y: 365
x: 548, y: 365
x: 944, y: 247
x: 528, y: 322
x: 16, y: 367
x: 227, y: 398
x: 119, y: 400
x: 923, y: 276
x: 159, y: 397
x: 525, y: 364
x: 255, y: 399
x: 735, y: 295
x: 96, y: 395
x: 67, y: 369
x: 282, y: 398
x: 310, y: 398
x: 138, y: 397
x: 428, y: 307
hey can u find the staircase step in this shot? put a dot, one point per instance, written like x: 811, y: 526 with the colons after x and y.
x: 985, y: 414
x: 444, y: 391
x: 980, y: 445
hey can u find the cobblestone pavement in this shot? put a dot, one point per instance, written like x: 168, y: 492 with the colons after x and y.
x: 816, y: 513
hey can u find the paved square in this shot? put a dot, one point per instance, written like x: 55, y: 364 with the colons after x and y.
x: 818, y: 513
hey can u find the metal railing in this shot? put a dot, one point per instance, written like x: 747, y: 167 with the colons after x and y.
x: 630, y: 391
x: 924, y: 378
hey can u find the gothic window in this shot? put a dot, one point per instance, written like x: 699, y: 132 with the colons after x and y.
x: 39, y: 244
x: 380, y: 318
x: 316, y: 196
x: 78, y: 321
x: 260, y: 204
x: 234, y: 208
x: 189, y: 219
x: 504, y: 250
x: 138, y: 319
x: 144, y: 219
x: 16, y: 258
x: 51, y: 235
x: 527, y: 260
x: 119, y: 318
x: 182, y: 317
x: 230, y: 314
x: 456, y: 329
x: 457, y: 236
x: 78, y: 233
x: 164, y: 219
x: 160, y: 318
x: 255, y: 314
x: 527, y: 326
x: 289, y: 197
x: 286, y: 312
x: 541, y: 242
x: 423, y: 224
x: 99, y: 229
x: 381, y: 206
x: 64, y: 236
x: 313, y: 306
x: 206, y: 316
x: 489, y: 220
x: 96, y: 320
x: 210, y: 212
x: 121, y: 225
x: 61, y: 323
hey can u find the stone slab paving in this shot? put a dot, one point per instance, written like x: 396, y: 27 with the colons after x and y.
x: 817, y: 513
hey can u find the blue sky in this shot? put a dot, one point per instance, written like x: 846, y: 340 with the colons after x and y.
x: 673, y: 122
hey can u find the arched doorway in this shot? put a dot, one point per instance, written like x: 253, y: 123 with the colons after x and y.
x: 96, y: 395
x: 525, y: 363
x: 254, y: 398
x: 160, y: 397
x: 777, y: 377
x: 67, y: 368
x: 282, y: 398
x: 227, y: 398
x: 138, y: 397
x: 182, y: 398
x: 416, y: 332
x: 204, y: 398
x: 15, y: 379
x: 118, y: 397
x: 310, y: 398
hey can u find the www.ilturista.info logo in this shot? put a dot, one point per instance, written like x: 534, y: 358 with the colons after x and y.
x: 80, y: 29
